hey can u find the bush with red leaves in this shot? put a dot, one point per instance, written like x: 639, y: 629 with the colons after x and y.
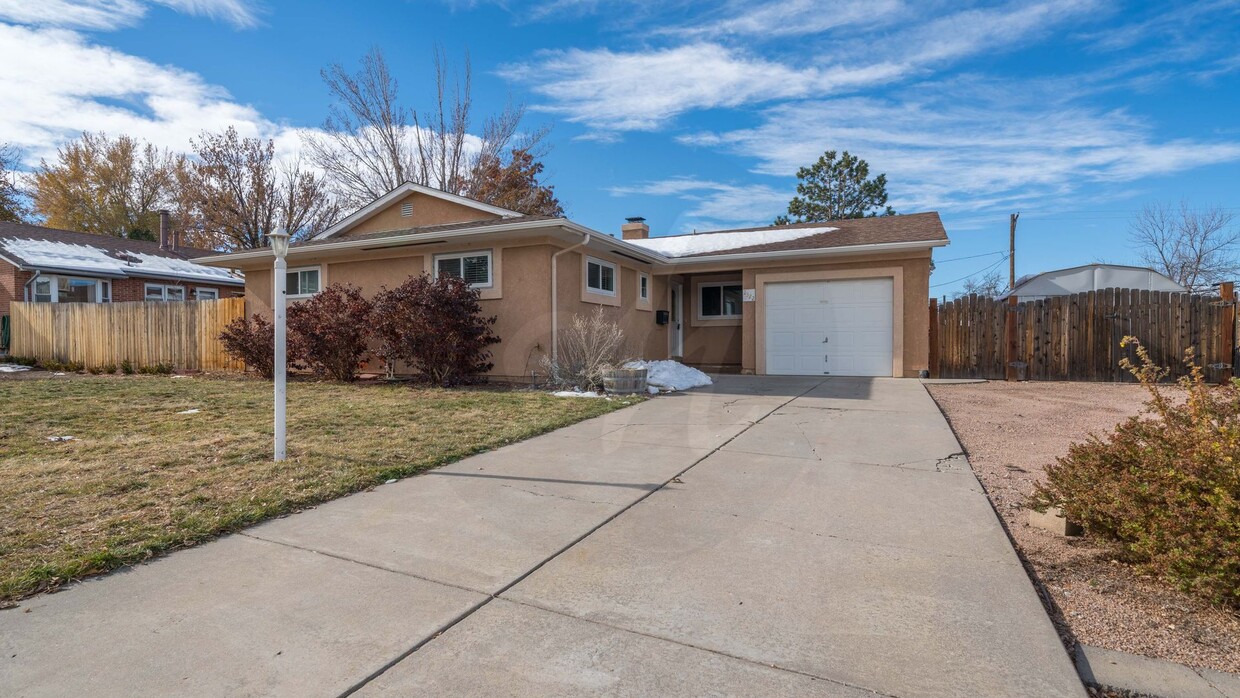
x: 329, y: 332
x: 436, y: 327
x: 252, y: 341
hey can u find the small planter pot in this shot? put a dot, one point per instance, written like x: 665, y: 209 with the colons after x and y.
x: 625, y: 381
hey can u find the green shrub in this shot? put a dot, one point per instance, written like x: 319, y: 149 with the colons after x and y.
x: 22, y: 360
x: 127, y: 367
x: 108, y: 368
x: 159, y: 369
x: 1165, y: 486
x: 95, y: 370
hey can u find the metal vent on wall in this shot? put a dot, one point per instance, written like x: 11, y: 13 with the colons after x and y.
x: 406, y: 209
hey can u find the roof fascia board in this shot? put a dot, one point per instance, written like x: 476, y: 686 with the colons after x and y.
x: 369, y: 209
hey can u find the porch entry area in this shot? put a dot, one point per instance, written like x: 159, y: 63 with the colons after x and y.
x: 838, y: 328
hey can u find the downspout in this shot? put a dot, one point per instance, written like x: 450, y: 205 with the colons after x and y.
x: 31, y: 280
x: 555, y: 298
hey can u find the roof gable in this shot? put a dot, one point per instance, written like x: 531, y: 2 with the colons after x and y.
x: 453, y: 209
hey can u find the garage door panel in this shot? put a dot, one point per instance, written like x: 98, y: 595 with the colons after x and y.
x: 854, y: 316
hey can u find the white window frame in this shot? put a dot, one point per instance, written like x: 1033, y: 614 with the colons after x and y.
x: 168, y: 289
x: 615, y: 276
x: 146, y: 292
x: 643, y: 287
x: 461, y: 256
x: 720, y: 285
x: 214, y: 293
x: 298, y: 270
x: 102, y: 294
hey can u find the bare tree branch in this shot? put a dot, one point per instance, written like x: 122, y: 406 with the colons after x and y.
x: 1197, y: 249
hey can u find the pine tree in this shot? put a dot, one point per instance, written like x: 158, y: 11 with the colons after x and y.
x: 834, y: 189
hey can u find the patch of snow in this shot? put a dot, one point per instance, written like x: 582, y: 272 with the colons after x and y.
x: 575, y: 393
x: 180, y: 375
x: 61, y: 438
x: 58, y: 373
x: 652, y: 390
x: 703, y: 243
x: 13, y: 368
x: 193, y: 411
x: 671, y: 375
x: 90, y: 259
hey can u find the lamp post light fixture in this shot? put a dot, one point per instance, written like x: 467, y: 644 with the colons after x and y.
x: 279, y: 246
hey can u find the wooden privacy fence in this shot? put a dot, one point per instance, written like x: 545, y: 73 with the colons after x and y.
x: 1077, y: 337
x: 184, y: 335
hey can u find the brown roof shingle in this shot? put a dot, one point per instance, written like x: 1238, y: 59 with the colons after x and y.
x: 22, y: 231
x: 877, y: 230
x: 442, y: 228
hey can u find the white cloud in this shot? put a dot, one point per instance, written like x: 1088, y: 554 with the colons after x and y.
x: 644, y: 89
x: 969, y: 148
x: 55, y: 84
x: 115, y: 14
x: 785, y: 18
x: 712, y: 204
x: 640, y: 91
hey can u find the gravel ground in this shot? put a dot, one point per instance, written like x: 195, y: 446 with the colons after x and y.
x: 1010, y: 432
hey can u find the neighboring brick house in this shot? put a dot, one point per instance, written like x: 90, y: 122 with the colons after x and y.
x: 59, y: 266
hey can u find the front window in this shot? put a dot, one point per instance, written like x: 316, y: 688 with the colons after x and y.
x: 473, y: 267
x: 601, y: 276
x: 303, y: 282
x: 206, y: 294
x: 719, y: 301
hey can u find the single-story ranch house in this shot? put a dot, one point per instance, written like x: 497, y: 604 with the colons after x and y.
x: 59, y: 266
x: 841, y: 298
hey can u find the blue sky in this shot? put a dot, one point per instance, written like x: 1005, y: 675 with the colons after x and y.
x: 696, y: 115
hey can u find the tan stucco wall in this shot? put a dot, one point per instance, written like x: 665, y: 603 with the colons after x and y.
x: 645, y: 339
x: 427, y: 210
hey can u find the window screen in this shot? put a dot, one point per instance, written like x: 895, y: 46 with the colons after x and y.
x: 303, y: 282
x: 720, y: 301
x: 474, y: 268
x: 601, y: 277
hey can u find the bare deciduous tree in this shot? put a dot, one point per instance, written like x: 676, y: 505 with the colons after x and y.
x: 1196, y: 248
x: 989, y: 285
x: 105, y: 186
x: 13, y: 208
x: 234, y: 192
x: 371, y: 143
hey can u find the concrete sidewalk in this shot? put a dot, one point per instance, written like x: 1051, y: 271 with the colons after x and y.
x: 763, y: 537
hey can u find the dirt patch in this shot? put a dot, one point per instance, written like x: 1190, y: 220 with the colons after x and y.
x: 1011, y: 431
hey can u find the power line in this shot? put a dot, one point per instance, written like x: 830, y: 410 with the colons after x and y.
x: 983, y: 270
x: 974, y: 256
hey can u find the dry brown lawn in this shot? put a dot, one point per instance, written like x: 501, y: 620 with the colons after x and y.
x: 139, y: 479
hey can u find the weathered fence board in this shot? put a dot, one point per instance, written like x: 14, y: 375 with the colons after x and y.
x: 1078, y: 337
x: 184, y: 335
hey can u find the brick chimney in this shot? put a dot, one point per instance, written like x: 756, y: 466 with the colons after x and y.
x: 635, y: 229
x: 164, y: 242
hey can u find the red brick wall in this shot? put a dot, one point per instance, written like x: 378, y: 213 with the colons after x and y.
x: 11, y: 285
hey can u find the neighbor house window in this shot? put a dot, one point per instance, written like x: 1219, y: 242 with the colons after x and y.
x: 473, y: 267
x: 162, y: 292
x: 600, y: 276
x: 302, y: 282
x: 719, y: 300
x: 43, y: 290
x: 643, y: 286
x: 69, y: 289
x: 206, y: 294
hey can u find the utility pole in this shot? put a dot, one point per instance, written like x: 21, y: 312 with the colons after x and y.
x: 1012, y: 254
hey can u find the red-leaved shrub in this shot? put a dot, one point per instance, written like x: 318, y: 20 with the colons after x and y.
x: 328, y: 332
x: 436, y: 327
x: 1165, y: 485
x: 252, y: 341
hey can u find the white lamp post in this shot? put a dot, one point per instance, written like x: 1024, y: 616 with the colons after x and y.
x: 279, y: 245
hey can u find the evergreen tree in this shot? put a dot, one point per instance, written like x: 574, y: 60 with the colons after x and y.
x: 834, y: 189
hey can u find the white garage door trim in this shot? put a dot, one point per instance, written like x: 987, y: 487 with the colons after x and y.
x: 895, y: 274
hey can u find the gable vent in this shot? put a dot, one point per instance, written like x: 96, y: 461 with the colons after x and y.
x: 406, y: 209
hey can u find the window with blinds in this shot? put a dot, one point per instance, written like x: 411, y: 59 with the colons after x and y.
x: 473, y: 267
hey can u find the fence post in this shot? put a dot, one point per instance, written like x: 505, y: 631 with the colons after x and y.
x: 1227, y: 293
x: 1009, y: 329
x: 934, y: 338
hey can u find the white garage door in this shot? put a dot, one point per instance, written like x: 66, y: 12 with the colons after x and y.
x: 838, y: 328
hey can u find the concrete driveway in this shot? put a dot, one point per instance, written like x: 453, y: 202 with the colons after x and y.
x: 763, y: 537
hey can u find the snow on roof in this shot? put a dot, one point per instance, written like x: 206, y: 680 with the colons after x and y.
x: 705, y: 243
x: 93, y: 260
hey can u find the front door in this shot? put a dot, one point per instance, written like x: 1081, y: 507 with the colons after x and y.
x: 676, y: 341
